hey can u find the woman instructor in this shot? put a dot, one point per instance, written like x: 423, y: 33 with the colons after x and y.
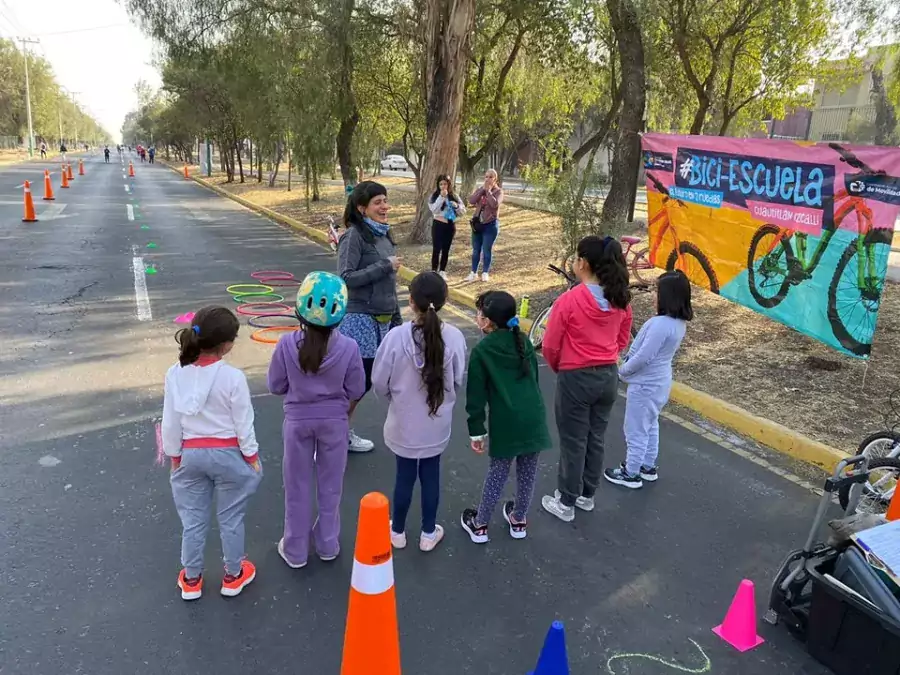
x: 368, y: 264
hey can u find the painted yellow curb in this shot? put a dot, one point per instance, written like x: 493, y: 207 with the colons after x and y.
x: 767, y: 432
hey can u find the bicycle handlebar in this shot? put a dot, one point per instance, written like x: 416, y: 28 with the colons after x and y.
x: 657, y: 184
x: 854, y: 161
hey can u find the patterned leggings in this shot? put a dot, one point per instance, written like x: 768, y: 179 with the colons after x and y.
x: 526, y: 472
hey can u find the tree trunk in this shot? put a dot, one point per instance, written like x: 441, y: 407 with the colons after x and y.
x: 617, y: 208
x: 703, y: 104
x: 289, y: 167
x: 468, y: 177
x: 238, y: 144
x: 315, y: 178
x: 258, y: 164
x: 450, y: 24
x: 250, y: 152
x: 279, y: 154
x: 306, y: 173
x: 343, y: 34
x: 885, y: 117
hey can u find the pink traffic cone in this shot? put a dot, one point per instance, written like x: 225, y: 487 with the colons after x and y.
x: 739, y: 627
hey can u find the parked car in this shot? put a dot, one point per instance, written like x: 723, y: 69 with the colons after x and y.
x: 394, y: 162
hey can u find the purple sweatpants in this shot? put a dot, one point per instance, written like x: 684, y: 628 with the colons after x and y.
x: 318, y: 446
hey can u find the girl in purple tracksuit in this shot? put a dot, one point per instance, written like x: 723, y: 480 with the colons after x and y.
x: 319, y: 372
x: 418, y: 368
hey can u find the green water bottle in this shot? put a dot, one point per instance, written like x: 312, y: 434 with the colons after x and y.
x: 523, y: 308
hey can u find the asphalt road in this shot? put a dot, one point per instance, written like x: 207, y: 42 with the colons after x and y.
x: 89, y: 536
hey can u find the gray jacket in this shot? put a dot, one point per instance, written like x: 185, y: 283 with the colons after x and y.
x: 371, y: 281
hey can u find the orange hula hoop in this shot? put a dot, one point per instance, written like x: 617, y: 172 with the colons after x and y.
x: 258, y: 335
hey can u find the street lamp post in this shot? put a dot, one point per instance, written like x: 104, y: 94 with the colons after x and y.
x: 25, y: 42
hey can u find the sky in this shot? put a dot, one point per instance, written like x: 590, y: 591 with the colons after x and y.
x: 93, y: 47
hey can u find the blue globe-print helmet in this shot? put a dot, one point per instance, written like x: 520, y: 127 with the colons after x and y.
x: 322, y: 299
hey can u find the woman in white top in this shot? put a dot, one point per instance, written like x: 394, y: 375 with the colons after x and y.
x: 446, y: 208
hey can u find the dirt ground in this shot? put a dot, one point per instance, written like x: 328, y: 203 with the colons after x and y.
x: 730, y: 352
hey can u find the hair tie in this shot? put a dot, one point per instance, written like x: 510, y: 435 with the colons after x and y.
x: 606, y: 241
x: 430, y: 305
x: 196, y: 329
x: 513, y: 322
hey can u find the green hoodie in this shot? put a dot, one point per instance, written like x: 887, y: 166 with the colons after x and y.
x: 516, y: 415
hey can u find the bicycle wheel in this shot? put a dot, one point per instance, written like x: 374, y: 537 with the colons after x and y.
x: 878, y: 490
x: 536, y: 333
x: 769, y: 274
x: 853, y: 306
x: 879, y: 445
x: 695, y: 265
x: 640, y: 266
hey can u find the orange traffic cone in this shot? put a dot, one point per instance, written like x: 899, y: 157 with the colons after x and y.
x: 48, y: 187
x: 186, y: 174
x: 29, y: 206
x: 893, y: 512
x: 71, y: 177
x: 739, y: 627
x: 65, y: 178
x: 131, y: 169
x: 372, y: 640
x: 80, y: 167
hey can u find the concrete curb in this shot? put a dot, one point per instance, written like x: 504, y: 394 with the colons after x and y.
x: 766, y: 432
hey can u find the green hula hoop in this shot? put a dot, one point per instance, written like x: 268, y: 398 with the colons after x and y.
x: 270, y: 297
x: 252, y: 289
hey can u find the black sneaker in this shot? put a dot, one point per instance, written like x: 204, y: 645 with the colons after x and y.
x: 478, y: 535
x: 516, y: 530
x: 620, y: 476
x: 649, y: 473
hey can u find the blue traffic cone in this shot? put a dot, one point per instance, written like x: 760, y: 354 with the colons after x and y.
x: 553, y: 659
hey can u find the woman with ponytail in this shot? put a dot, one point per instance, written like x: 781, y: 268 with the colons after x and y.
x: 419, y: 368
x: 503, y: 377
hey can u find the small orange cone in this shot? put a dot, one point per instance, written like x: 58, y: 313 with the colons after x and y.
x: 186, y: 174
x: 65, y: 178
x: 71, y: 177
x: 131, y: 169
x: 29, y: 205
x: 48, y: 188
x: 739, y: 627
x: 893, y: 512
x: 372, y: 639
x: 80, y: 167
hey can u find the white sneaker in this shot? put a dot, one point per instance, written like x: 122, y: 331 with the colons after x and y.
x: 443, y: 275
x: 485, y: 276
x: 358, y: 444
x: 557, y: 508
x: 428, y: 542
x: 583, y: 503
x: 398, y: 540
x: 471, y: 276
x: 292, y: 565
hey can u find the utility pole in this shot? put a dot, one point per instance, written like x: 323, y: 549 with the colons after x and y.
x: 26, y: 41
x: 75, y: 115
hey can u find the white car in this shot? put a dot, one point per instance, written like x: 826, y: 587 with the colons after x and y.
x: 395, y: 162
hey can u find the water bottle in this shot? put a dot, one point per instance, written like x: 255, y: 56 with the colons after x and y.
x: 523, y: 308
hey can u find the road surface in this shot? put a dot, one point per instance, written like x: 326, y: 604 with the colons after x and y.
x: 90, y: 537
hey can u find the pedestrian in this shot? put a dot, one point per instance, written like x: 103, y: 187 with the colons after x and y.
x: 589, y: 327
x: 319, y: 372
x: 485, y: 224
x: 152, y: 153
x: 106, y: 154
x: 43, y: 150
x: 445, y: 207
x: 368, y: 263
x: 419, y: 369
x: 648, y: 373
x: 62, y: 152
x: 207, y: 431
x: 503, y: 376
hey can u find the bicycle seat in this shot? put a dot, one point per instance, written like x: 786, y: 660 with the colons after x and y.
x: 630, y: 240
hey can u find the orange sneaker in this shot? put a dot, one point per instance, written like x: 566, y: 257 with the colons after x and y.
x: 232, y: 586
x: 191, y: 589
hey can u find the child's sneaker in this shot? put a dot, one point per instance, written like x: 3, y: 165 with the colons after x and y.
x: 649, y: 473
x: 428, y: 542
x: 233, y: 585
x: 583, y: 503
x: 471, y: 276
x: 516, y: 530
x: 398, y: 540
x: 292, y: 565
x: 191, y: 589
x: 485, y: 276
x: 620, y: 476
x: 479, y: 535
x: 329, y: 558
x: 555, y: 506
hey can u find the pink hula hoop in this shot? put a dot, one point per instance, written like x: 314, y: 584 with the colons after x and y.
x: 260, y: 308
x: 274, y: 275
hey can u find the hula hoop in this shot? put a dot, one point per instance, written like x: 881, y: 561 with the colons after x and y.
x: 254, y: 288
x: 245, y: 297
x: 273, y: 275
x: 254, y: 321
x: 249, y: 309
x: 257, y: 335
x: 287, y: 283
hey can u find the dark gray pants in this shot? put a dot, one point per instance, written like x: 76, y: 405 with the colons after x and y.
x: 584, y: 399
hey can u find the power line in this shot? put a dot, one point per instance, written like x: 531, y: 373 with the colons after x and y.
x: 83, y: 30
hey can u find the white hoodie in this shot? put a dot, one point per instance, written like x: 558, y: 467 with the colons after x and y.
x: 207, y: 402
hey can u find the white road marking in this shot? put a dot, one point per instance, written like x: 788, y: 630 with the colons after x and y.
x: 130, y: 209
x: 52, y: 212
x: 141, y: 298
x: 49, y: 461
x: 127, y: 188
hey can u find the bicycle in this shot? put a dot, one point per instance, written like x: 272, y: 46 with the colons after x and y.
x: 685, y: 256
x: 779, y: 268
x: 638, y: 260
x: 333, y: 234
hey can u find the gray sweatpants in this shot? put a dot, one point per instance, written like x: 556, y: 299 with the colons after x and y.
x: 203, y: 473
x: 584, y: 400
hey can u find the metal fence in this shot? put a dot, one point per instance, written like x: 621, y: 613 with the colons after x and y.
x: 9, y: 142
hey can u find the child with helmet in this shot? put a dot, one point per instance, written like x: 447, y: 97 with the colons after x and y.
x: 319, y: 372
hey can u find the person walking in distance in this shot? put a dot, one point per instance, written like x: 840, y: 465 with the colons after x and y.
x: 503, y: 376
x: 319, y: 372
x: 43, y: 150
x: 589, y: 327
x: 419, y: 368
x: 207, y: 431
x: 648, y: 372
x: 368, y: 263
x: 63, y: 152
x: 106, y: 154
x: 485, y: 224
x: 446, y: 208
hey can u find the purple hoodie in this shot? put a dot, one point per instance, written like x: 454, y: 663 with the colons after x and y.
x: 409, y: 431
x: 323, y: 395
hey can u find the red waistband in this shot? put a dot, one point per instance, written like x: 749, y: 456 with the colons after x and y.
x: 210, y: 443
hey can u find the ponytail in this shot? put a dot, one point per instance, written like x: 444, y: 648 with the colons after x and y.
x: 519, y: 339
x: 430, y: 339
x: 189, y: 341
x: 211, y: 327
x: 313, y: 348
x: 500, y: 308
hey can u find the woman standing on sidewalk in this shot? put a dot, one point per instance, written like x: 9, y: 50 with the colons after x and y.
x: 446, y: 207
x: 485, y: 225
x: 368, y: 264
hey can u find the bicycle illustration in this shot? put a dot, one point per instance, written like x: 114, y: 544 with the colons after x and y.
x: 685, y: 256
x: 854, y: 294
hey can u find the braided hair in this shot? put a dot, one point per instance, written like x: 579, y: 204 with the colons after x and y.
x: 500, y: 308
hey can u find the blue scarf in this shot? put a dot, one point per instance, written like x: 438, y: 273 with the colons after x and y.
x: 378, y: 229
x: 449, y: 212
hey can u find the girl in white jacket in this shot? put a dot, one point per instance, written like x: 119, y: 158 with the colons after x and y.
x: 207, y: 431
